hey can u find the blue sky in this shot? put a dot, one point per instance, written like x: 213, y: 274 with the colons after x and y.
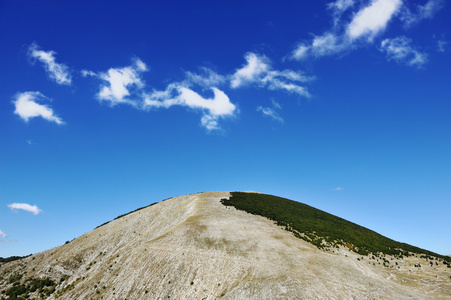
x: 343, y: 105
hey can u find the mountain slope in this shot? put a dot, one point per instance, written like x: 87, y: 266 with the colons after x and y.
x: 323, y: 229
x: 193, y: 247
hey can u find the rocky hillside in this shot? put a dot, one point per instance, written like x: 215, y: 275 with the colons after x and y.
x: 194, y: 247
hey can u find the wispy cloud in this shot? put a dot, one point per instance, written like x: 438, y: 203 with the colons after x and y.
x: 27, y: 107
x: 253, y: 71
x: 338, y: 188
x: 276, y: 104
x: 56, y: 71
x: 338, y: 8
x: 177, y: 94
x: 327, y: 44
x: 364, y: 25
x: 207, y: 78
x: 4, y: 238
x: 400, y: 50
x: 24, y: 206
x: 441, y: 45
x: 271, y: 111
x: 373, y: 19
x: 258, y: 71
x: 119, y: 83
x: 420, y: 12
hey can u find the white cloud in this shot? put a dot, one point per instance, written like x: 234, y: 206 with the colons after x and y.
x: 400, y: 50
x: 207, y: 78
x: 338, y: 188
x: 367, y: 23
x: 441, y: 45
x: 372, y: 19
x: 338, y: 8
x: 24, y: 206
x: 426, y: 11
x: 275, y: 104
x: 27, y: 108
x: 253, y: 70
x: 87, y: 73
x: 430, y: 8
x: 270, y: 112
x: 258, y: 70
x: 220, y: 105
x: 210, y: 122
x: 119, y: 83
x: 58, y: 72
x: 177, y: 94
x: 326, y: 44
x: 302, y: 51
x: 274, y: 83
x: 4, y: 239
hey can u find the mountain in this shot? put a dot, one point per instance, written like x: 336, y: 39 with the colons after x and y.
x: 231, y: 246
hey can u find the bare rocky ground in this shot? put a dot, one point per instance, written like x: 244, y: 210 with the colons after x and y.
x: 193, y: 247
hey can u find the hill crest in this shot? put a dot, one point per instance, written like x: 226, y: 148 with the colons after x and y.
x: 194, y: 247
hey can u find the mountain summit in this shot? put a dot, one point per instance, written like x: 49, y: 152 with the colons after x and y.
x: 232, y: 246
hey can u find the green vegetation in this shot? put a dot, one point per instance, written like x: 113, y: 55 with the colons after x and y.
x: 44, y: 287
x: 322, y: 229
x: 11, y: 258
x: 16, y: 277
x: 67, y: 288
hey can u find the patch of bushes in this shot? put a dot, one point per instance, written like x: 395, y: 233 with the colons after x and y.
x: 16, y: 277
x: 45, y: 287
x: 67, y: 288
x: 12, y: 258
x: 320, y: 228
